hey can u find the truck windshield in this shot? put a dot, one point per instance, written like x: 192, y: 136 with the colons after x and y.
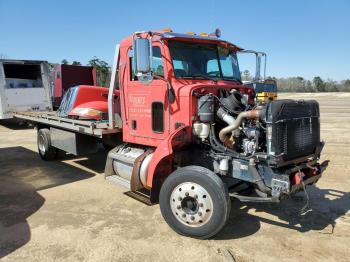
x: 205, y: 61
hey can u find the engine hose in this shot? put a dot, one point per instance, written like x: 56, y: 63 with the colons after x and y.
x: 246, y: 114
x: 218, y: 146
x: 259, y: 193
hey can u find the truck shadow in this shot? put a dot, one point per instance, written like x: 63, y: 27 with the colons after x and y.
x: 14, y: 124
x: 95, y: 162
x: 325, y: 206
x: 22, y: 175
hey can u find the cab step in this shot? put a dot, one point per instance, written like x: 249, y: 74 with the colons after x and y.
x: 142, y: 195
x: 254, y: 199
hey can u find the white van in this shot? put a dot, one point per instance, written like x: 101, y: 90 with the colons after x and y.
x: 24, y: 86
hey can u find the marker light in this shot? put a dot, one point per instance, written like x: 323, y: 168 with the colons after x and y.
x: 203, y: 34
x: 191, y: 33
x: 167, y: 29
x: 217, y: 32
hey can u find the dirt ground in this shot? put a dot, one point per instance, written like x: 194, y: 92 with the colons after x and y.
x: 65, y: 210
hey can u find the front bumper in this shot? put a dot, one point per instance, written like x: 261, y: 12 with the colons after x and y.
x: 282, y: 186
x: 311, y: 179
x: 297, y: 178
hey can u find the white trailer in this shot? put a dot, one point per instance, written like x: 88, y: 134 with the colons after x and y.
x: 24, y: 87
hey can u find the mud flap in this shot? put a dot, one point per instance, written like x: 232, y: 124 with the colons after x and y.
x: 109, y: 167
x: 109, y: 171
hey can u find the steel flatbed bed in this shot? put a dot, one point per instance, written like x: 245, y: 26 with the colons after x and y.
x: 50, y: 118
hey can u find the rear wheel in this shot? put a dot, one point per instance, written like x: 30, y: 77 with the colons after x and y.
x: 194, y: 202
x: 46, y: 150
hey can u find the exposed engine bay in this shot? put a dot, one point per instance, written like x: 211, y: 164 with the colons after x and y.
x: 273, y: 145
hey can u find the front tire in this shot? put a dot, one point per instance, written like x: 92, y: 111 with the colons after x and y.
x: 195, y: 202
x: 46, y: 150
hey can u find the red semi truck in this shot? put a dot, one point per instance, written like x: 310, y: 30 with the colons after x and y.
x: 186, y: 132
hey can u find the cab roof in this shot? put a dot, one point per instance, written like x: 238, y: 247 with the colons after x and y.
x: 209, y: 38
x: 186, y: 37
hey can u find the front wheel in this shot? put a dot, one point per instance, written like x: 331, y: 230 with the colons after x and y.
x: 195, y: 202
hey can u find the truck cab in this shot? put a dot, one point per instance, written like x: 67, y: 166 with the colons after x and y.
x: 182, y: 65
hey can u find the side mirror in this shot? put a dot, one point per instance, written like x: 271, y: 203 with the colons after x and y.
x: 257, y: 67
x: 142, y: 48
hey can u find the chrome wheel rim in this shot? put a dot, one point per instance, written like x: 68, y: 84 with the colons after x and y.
x: 41, y: 143
x: 191, y: 204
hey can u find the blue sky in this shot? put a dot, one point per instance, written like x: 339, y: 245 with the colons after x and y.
x: 302, y: 38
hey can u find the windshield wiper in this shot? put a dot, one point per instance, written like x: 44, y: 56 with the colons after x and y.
x: 201, y: 76
x: 231, y: 79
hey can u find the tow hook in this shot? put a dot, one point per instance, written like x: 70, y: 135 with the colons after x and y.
x: 324, y: 165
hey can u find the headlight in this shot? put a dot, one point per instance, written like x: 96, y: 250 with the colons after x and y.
x: 87, y: 112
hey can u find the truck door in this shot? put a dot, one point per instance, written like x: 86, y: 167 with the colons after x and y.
x: 146, y: 105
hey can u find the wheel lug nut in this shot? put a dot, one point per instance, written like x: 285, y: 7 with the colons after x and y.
x: 200, y: 214
x: 183, y: 215
x: 192, y: 217
x: 201, y: 204
x: 178, y: 207
x: 195, y: 196
x: 180, y: 198
x: 186, y: 194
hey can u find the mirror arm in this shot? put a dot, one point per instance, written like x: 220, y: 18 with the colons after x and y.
x: 265, y: 67
x: 151, y: 52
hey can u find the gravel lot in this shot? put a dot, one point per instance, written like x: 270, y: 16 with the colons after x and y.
x: 65, y: 210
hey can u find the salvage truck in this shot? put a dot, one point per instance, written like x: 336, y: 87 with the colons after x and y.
x: 24, y: 86
x: 186, y: 133
x: 65, y: 76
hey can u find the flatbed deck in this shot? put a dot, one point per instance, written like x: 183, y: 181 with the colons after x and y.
x: 50, y: 118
